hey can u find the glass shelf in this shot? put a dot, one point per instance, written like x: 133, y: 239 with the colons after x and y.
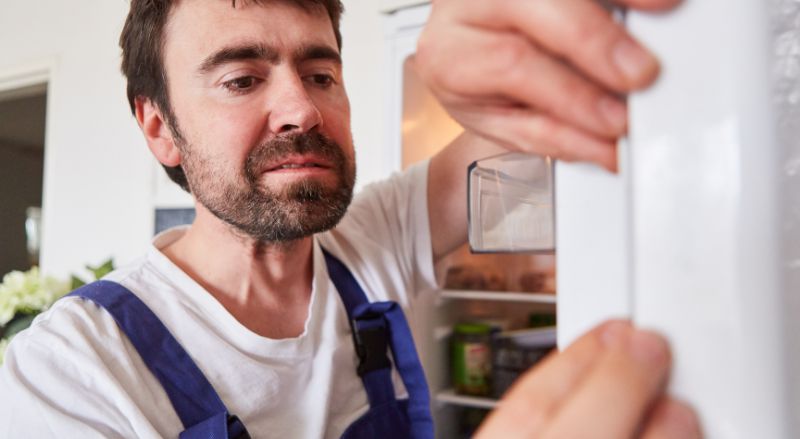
x: 501, y: 296
x: 449, y: 396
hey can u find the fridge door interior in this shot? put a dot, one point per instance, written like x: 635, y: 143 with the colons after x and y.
x: 702, y: 223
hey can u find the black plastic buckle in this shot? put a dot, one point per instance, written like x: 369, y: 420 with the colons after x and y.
x: 236, y: 429
x: 371, y: 345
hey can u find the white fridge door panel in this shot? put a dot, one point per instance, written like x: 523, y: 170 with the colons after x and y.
x: 592, y: 253
x: 706, y: 213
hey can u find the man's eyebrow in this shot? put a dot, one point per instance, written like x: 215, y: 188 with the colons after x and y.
x: 313, y: 52
x: 238, y: 53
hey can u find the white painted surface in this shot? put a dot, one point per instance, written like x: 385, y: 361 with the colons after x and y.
x: 409, y: 122
x: 591, y: 248
x: 366, y: 77
x: 706, y: 214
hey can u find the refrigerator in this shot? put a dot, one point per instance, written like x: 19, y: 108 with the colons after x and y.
x: 698, y: 235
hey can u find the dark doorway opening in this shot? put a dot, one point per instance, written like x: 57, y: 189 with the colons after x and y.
x: 22, y: 135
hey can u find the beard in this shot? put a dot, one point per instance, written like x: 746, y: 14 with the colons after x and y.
x: 295, y: 211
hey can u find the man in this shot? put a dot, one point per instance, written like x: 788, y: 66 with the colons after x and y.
x: 244, y: 105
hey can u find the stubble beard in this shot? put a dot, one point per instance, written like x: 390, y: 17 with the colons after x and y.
x: 296, y: 211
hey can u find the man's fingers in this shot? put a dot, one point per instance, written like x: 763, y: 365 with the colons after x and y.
x: 649, y: 5
x: 620, y: 390
x: 538, y: 133
x: 502, y: 64
x: 556, y: 90
x: 672, y: 419
x: 530, y: 403
x: 564, y: 61
x: 580, y: 31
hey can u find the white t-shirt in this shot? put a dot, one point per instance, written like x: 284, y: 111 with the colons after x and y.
x: 74, y: 373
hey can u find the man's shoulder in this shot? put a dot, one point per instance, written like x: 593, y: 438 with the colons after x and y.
x: 72, y: 326
x: 73, y: 330
x: 74, y: 369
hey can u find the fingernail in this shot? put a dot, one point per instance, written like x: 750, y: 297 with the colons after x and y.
x: 633, y: 61
x: 649, y: 348
x: 615, y: 113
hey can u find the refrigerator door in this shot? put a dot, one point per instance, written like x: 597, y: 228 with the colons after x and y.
x: 714, y: 220
x: 699, y: 236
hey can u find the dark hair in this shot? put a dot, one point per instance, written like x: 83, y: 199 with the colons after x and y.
x: 142, y: 43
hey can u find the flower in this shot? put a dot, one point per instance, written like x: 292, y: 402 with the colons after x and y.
x: 25, y: 294
x: 28, y: 292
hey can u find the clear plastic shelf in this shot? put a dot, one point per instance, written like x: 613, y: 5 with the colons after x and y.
x: 511, y: 204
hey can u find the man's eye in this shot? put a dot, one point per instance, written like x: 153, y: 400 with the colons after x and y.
x: 241, y: 84
x: 322, y: 80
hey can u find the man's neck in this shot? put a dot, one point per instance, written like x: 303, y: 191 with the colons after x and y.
x: 266, y: 287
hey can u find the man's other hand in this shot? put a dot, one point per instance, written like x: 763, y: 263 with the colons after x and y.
x: 544, y: 76
x: 608, y: 384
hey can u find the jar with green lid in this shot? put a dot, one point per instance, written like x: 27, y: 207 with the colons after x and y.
x: 472, y: 359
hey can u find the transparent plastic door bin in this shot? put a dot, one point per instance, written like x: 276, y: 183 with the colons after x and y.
x: 511, y: 204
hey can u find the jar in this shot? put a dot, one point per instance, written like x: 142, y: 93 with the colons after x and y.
x: 472, y: 359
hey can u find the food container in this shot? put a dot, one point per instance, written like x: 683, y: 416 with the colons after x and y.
x: 472, y: 359
x: 514, y: 352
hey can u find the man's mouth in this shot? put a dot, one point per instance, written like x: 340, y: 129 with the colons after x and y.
x: 298, y: 163
x: 297, y: 166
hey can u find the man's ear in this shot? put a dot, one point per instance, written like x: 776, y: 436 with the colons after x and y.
x: 157, y: 133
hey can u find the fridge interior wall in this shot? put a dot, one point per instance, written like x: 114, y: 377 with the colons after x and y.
x: 425, y: 129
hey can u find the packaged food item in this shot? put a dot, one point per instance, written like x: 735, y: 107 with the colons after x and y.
x: 495, y: 282
x: 464, y: 277
x: 541, y: 320
x: 532, y: 282
x: 473, y: 277
x: 472, y: 359
x: 514, y: 352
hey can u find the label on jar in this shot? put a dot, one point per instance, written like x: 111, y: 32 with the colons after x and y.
x: 472, y: 368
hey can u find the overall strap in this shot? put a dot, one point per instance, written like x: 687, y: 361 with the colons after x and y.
x: 369, y: 335
x: 349, y: 290
x: 194, y: 399
x: 370, y: 323
x: 407, y: 362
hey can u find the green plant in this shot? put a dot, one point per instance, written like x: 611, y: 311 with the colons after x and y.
x: 98, y: 272
x: 23, y: 295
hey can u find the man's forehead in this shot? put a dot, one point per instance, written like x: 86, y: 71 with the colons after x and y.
x: 308, y: 6
x: 211, y: 25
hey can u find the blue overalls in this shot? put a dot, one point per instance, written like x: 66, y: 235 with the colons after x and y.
x: 375, y: 327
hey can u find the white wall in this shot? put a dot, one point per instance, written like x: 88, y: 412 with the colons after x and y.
x: 97, y: 169
x: 98, y: 188
x: 366, y: 79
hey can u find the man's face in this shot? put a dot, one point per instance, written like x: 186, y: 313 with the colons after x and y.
x: 262, y: 114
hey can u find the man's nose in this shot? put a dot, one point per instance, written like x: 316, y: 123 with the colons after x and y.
x: 293, y: 109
